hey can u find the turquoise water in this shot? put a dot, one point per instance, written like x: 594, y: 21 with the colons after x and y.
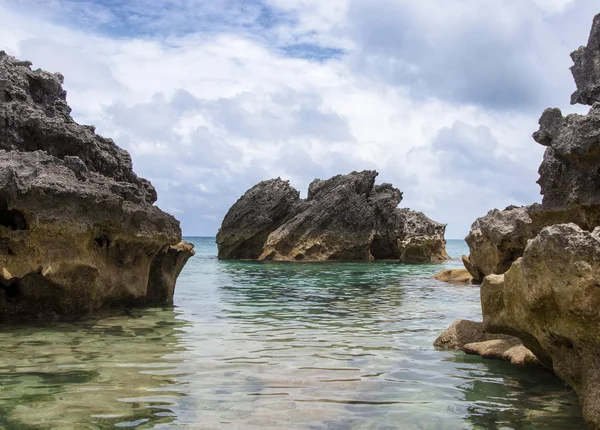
x: 277, y: 345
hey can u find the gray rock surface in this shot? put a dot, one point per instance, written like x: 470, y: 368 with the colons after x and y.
x: 261, y: 210
x: 570, y: 170
x: 78, y: 229
x: 586, y: 70
x: 346, y: 217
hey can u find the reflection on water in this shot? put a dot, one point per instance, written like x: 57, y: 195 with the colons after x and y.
x: 116, y: 371
x: 248, y: 345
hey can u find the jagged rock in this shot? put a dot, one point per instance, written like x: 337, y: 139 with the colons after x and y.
x: 586, y: 70
x: 78, y: 229
x: 498, y: 239
x: 543, y: 262
x: 455, y: 276
x: 550, y: 298
x: 346, y: 217
x: 261, y: 210
x: 570, y: 170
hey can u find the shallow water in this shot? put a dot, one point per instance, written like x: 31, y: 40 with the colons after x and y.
x: 250, y: 345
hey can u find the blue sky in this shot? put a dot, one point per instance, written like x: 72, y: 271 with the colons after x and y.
x: 211, y: 97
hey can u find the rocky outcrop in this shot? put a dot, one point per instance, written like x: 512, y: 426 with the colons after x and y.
x: 550, y: 299
x: 346, y: 217
x: 540, y: 265
x: 586, y: 68
x: 78, y: 228
x: 469, y: 336
x: 499, y: 238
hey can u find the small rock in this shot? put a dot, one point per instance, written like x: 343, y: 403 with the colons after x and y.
x: 455, y: 276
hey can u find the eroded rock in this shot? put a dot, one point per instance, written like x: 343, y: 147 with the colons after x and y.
x: 550, y: 298
x: 586, y: 70
x: 78, y: 229
x: 470, y: 337
x: 346, y: 217
x: 459, y: 276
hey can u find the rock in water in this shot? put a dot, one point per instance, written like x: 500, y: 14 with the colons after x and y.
x: 550, y: 299
x: 540, y: 264
x: 78, y: 228
x: 470, y: 337
x: 346, y: 217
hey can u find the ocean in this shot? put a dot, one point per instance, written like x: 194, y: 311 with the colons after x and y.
x: 276, y: 345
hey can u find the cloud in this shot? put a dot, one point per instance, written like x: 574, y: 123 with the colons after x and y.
x: 502, y: 56
x: 211, y: 97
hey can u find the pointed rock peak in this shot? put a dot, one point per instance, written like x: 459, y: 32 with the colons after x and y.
x: 586, y: 70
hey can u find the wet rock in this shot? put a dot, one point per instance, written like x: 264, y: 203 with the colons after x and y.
x: 470, y: 337
x: 78, y: 228
x: 346, y: 217
x: 511, y: 350
x: 455, y: 276
x: 550, y: 298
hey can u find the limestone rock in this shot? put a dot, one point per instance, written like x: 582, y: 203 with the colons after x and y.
x: 510, y: 350
x: 550, y: 298
x: 463, y: 332
x: 78, y: 229
x: 569, y: 173
x: 346, y: 217
x: 455, y: 276
x: 543, y: 262
x: 499, y: 238
x: 586, y: 70
x: 470, y: 337
x: 422, y: 239
x: 460, y: 333
x: 261, y: 210
x: 336, y: 222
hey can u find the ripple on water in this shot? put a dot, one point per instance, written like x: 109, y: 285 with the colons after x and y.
x: 249, y: 345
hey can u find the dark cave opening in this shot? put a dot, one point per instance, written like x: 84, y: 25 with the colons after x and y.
x: 11, y: 218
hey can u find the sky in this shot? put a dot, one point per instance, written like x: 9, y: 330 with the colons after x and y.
x: 212, y: 96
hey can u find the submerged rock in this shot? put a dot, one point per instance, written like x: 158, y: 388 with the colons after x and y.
x: 78, y: 228
x: 470, y: 337
x: 455, y: 276
x: 346, y: 217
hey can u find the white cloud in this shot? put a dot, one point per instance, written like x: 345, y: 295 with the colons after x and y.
x: 209, y: 100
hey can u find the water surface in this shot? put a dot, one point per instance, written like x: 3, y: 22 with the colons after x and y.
x: 276, y: 345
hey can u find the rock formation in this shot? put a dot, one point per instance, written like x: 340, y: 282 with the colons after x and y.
x: 458, y: 276
x: 469, y: 336
x: 346, y: 217
x: 550, y: 298
x: 78, y: 228
x: 540, y: 265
